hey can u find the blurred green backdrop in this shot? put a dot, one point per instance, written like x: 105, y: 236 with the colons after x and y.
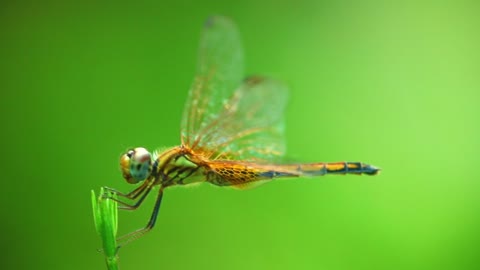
x: 395, y: 85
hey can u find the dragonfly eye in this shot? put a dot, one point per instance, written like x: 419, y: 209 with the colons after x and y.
x: 136, y: 165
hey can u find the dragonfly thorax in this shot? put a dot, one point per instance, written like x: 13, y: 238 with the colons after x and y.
x: 136, y: 165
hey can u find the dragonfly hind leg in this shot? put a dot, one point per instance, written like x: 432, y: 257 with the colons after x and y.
x: 125, y: 239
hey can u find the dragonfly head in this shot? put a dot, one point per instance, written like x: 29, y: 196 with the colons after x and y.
x: 136, y: 165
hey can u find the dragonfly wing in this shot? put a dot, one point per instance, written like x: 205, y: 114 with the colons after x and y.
x: 226, y: 118
x: 250, y: 125
x: 219, y: 73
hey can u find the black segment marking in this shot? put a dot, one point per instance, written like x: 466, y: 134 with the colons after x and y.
x: 188, y: 175
x: 154, y: 168
x: 182, y: 170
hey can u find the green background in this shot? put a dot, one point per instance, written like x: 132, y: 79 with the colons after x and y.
x: 394, y: 85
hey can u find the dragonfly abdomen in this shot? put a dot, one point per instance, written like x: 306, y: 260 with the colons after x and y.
x: 241, y: 174
x: 318, y: 169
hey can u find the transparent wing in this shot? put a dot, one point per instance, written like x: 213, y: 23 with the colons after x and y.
x: 249, y: 126
x: 219, y: 73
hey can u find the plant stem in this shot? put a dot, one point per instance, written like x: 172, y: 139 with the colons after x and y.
x: 105, y: 216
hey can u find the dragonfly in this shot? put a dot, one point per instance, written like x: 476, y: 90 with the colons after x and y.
x: 232, y: 132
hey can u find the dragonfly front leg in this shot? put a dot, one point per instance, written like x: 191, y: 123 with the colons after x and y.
x: 125, y: 239
x: 131, y: 195
x: 143, y: 190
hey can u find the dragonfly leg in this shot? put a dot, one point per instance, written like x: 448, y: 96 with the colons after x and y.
x: 131, y: 195
x: 127, y: 206
x: 125, y: 239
